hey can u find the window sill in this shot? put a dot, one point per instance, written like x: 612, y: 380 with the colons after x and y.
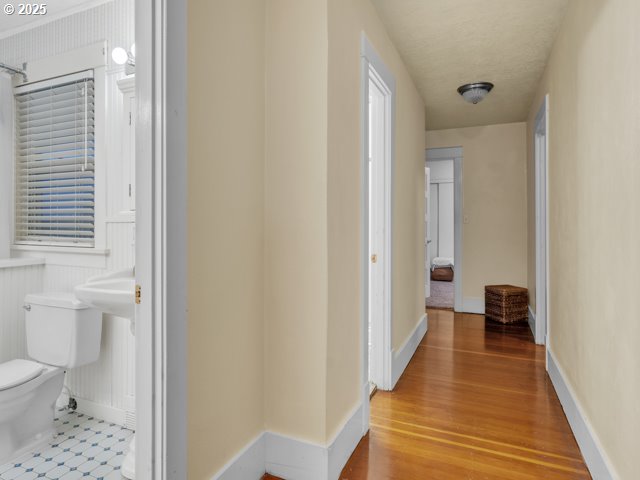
x: 20, y: 262
x: 65, y: 256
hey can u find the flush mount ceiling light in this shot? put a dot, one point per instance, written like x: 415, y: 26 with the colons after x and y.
x: 475, y: 92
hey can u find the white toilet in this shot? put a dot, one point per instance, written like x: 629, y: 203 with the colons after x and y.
x: 61, y: 333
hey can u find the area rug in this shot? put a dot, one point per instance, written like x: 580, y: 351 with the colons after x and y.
x: 441, y: 295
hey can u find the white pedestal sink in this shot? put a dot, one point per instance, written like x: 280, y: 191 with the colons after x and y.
x: 114, y: 294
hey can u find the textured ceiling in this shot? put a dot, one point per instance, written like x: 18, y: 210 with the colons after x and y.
x: 447, y: 43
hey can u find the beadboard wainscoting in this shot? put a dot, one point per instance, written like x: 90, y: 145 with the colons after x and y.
x: 105, y: 388
x: 15, y: 282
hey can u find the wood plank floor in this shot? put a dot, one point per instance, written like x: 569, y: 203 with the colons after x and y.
x: 474, y: 403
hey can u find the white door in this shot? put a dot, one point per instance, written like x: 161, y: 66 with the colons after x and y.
x: 377, y: 222
x: 427, y: 232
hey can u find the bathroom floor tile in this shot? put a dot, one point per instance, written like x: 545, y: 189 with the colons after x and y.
x: 85, y: 447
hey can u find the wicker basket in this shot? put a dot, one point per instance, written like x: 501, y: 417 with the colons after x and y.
x: 506, y: 303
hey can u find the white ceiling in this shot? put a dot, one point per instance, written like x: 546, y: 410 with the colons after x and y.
x: 11, y: 24
x: 447, y: 43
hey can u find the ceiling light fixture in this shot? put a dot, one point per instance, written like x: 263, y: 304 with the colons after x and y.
x: 475, y: 92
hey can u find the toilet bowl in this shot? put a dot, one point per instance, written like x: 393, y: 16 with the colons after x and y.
x: 61, y: 333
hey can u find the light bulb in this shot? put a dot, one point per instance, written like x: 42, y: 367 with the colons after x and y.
x: 133, y: 50
x: 119, y: 55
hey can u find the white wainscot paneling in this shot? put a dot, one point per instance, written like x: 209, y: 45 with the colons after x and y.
x: 107, y: 385
x: 15, y: 283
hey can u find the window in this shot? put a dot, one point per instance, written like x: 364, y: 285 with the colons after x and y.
x: 55, y: 162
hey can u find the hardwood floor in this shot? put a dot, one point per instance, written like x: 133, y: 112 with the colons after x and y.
x: 474, y: 403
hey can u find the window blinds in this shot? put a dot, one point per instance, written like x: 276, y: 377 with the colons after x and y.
x: 55, y: 162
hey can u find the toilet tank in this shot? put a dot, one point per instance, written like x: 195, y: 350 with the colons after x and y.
x: 61, y: 330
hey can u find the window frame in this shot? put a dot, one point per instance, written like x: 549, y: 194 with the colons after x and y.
x: 91, y: 57
x: 25, y: 89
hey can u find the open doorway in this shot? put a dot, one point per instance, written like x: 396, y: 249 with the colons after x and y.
x: 539, y: 321
x: 443, y: 228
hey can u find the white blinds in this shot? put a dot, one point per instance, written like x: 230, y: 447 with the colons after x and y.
x: 55, y: 162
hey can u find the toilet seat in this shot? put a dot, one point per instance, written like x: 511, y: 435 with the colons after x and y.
x: 18, y: 372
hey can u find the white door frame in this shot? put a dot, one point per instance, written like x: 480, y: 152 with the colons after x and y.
x: 161, y: 234
x: 541, y: 155
x: 427, y: 232
x: 455, y: 154
x: 370, y: 59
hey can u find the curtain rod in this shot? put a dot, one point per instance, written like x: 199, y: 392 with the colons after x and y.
x: 14, y: 70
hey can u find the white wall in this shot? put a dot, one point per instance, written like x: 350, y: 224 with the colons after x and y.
x: 106, y: 387
x: 15, y: 283
x: 6, y: 160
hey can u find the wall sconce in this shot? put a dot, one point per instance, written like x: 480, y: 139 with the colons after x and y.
x: 128, y: 59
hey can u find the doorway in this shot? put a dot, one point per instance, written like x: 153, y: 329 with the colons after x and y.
x: 443, y: 228
x: 377, y: 113
x: 539, y: 321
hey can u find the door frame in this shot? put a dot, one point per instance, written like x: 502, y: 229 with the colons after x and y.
x: 455, y: 154
x: 370, y: 59
x: 541, y: 156
x: 161, y: 239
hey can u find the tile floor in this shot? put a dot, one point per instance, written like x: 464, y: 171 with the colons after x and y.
x: 85, y: 447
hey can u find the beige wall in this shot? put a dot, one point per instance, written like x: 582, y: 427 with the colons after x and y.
x: 226, y: 235
x: 347, y: 19
x: 594, y: 225
x: 296, y: 218
x: 274, y: 219
x: 494, y: 237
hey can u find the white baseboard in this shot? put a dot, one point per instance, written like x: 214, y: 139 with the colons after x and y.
x: 473, y: 305
x: 103, y: 412
x: 594, y: 455
x: 402, y: 357
x: 247, y: 464
x: 532, y: 321
x: 345, y: 442
x: 290, y: 458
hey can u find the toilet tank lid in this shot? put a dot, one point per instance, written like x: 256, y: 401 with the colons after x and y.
x: 17, y: 372
x: 55, y: 299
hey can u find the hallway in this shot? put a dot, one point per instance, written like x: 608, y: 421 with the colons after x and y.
x: 475, y: 402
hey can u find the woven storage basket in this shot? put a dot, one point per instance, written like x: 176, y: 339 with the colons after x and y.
x: 506, y: 303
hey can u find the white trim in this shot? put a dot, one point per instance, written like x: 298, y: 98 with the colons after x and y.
x: 594, y: 455
x: 473, y: 305
x: 532, y: 321
x: 93, y: 56
x: 455, y: 154
x: 65, y: 256
x: 248, y: 463
x: 127, y: 84
x: 103, y: 412
x: 345, y: 441
x: 403, y: 355
x: 161, y: 246
x: 289, y: 457
x: 370, y: 59
x: 20, y: 262
x: 541, y: 129
x: 48, y: 18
